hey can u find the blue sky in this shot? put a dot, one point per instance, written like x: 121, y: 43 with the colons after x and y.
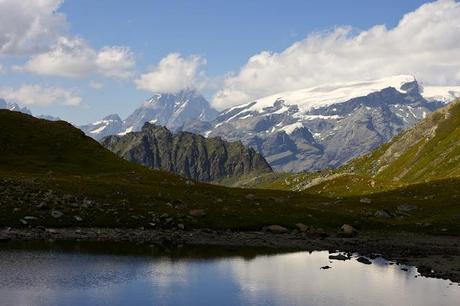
x: 212, y: 39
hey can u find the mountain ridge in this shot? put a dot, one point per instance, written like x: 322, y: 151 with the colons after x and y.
x: 187, y: 154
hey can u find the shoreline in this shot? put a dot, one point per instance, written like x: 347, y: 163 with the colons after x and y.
x: 434, y: 256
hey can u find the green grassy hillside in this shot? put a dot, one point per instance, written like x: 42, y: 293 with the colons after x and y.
x: 47, y: 166
x: 53, y: 175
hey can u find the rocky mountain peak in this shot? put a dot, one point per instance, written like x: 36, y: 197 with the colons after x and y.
x: 187, y: 154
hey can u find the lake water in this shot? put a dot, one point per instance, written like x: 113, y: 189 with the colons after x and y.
x: 107, y: 274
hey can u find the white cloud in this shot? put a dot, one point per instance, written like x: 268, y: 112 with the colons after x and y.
x: 29, y: 26
x: 425, y: 43
x: 96, y: 85
x: 41, y: 96
x: 115, y: 61
x: 37, y: 28
x: 173, y: 73
x: 2, y: 69
x: 73, y: 57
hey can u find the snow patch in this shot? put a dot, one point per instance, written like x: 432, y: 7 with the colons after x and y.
x: 128, y: 130
x: 289, y: 129
x: 315, y: 97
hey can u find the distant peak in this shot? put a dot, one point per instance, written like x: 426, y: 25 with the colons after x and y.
x: 112, y: 117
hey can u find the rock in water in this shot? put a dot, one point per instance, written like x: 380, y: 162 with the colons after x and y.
x: 364, y: 260
x: 338, y: 257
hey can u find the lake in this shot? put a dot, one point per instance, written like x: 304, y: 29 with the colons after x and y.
x: 123, y: 274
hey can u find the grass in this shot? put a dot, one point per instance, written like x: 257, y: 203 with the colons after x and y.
x: 39, y: 158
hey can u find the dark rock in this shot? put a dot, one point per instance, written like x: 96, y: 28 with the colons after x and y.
x: 197, y: 212
x: 302, y: 227
x: 56, y: 214
x: 382, y: 214
x: 277, y: 229
x: 339, y: 257
x: 364, y: 260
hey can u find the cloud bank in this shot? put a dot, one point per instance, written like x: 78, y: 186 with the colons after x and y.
x: 172, y: 74
x: 73, y: 57
x: 425, y: 43
x: 38, y: 29
x: 29, y: 26
x: 40, y: 96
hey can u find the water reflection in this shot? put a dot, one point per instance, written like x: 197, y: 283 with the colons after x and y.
x: 206, y: 276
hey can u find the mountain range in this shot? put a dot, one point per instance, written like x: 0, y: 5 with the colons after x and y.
x: 187, y: 154
x: 169, y: 110
x: 428, y: 152
x: 303, y: 130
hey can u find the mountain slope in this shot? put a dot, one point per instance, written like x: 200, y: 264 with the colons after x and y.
x: 52, y: 175
x: 427, y: 152
x: 187, y: 154
x: 324, y: 127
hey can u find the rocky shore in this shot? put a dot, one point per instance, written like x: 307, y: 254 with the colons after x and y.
x: 434, y: 256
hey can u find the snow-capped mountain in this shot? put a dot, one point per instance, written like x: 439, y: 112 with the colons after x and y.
x: 307, y: 129
x: 170, y: 110
x: 326, y: 126
x: 109, y: 125
x: 14, y: 107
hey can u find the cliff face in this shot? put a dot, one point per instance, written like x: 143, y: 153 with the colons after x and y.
x: 187, y: 154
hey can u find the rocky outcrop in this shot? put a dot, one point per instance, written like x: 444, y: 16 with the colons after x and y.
x: 187, y: 154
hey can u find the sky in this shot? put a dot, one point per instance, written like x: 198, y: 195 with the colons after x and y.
x: 83, y: 59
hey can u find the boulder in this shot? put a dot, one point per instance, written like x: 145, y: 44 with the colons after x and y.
x: 56, y: 213
x: 197, y: 212
x: 348, y: 230
x: 277, y: 229
x: 381, y: 213
x: 406, y: 208
x: 302, y: 227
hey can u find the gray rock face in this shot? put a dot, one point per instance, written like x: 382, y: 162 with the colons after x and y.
x: 187, y: 154
x: 296, y: 137
x: 170, y: 110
